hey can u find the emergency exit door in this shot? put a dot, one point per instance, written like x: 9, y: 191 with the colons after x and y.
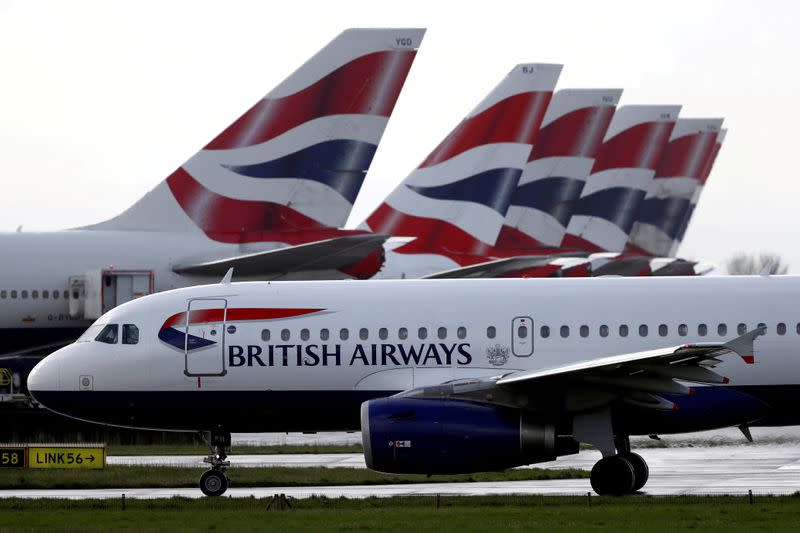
x: 522, y: 336
x: 204, y: 344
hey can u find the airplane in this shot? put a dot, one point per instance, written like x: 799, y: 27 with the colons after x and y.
x: 453, y: 205
x: 497, y: 373
x: 267, y: 195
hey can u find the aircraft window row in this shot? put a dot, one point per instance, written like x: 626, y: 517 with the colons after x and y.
x: 110, y: 334
x: 644, y: 330
x: 33, y: 294
x: 383, y: 333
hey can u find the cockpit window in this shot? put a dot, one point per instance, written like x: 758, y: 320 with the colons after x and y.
x: 109, y: 334
x: 130, y: 334
x: 91, y: 333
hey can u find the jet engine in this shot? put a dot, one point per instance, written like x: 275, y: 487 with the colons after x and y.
x: 440, y: 436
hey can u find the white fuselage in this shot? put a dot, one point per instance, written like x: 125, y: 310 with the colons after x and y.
x: 457, y: 329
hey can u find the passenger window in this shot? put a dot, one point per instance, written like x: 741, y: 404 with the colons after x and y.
x: 4, y: 294
x: 798, y: 328
x: 34, y: 294
x: 363, y: 334
x: 741, y: 329
x: 402, y: 333
x: 702, y: 330
x: 324, y: 334
x: 55, y: 295
x: 584, y: 331
x: 722, y: 330
x: 663, y: 330
x: 344, y: 334
x: 45, y: 294
x: 683, y: 330
x: 545, y: 332
x: 491, y: 331
x: 304, y: 334
x: 781, y: 328
x: 762, y: 325
x: 461, y: 332
x: 14, y: 295
x: 422, y: 333
x: 643, y: 330
x: 604, y: 331
x: 441, y: 333
x: 24, y: 294
x: 66, y: 295
x: 522, y: 332
x: 264, y: 334
x: 565, y: 331
x: 383, y: 334
x: 285, y: 335
x: 108, y: 335
x: 623, y: 330
x: 130, y: 334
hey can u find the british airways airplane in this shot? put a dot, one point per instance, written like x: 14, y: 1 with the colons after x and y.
x: 267, y: 195
x: 443, y: 376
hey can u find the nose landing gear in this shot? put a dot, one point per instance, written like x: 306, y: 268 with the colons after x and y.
x: 214, y: 481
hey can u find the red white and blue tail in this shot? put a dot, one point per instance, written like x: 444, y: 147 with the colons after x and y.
x: 709, y: 165
x: 298, y: 157
x: 456, y: 200
x: 622, y: 171
x: 571, y: 134
x: 678, y: 176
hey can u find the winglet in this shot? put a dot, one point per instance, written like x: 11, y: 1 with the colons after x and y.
x: 226, y: 280
x: 744, y: 345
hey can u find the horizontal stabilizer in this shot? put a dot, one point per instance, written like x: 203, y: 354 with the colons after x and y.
x: 328, y: 254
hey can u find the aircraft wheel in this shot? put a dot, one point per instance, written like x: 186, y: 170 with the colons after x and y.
x: 613, y: 476
x: 213, y: 483
x: 640, y: 469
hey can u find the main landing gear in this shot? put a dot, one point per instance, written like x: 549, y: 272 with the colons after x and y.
x: 620, y: 471
x: 623, y: 473
x: 214, y: 481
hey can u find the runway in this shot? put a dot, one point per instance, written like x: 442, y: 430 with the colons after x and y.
x: 764, y: 469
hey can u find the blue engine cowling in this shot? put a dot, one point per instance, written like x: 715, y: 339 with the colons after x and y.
x: 435, y: 436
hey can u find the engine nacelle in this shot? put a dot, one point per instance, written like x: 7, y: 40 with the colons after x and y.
x: 433, y: 436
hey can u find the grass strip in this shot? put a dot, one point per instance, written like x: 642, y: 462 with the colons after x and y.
x: 166, y: 477
x: 480, y: 513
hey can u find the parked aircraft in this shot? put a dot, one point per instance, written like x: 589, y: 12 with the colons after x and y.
x: 266, y: 195
x: 443, y: 376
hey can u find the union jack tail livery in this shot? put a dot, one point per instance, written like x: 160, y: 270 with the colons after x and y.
x: 622, y: 171
x: 571, y: 133
x: 664, y: 208
x: 454, y: 203
x: 698, y: 191
x: 295, y: 160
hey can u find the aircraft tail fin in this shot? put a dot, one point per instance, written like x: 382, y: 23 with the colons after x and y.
x: 622, y: 171
x: 298, y: 157
x: 457, y: 198
x: 678, y: 175
x: 571, y: 134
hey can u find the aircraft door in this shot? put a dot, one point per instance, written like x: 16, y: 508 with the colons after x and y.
x: 522, y: 336
x: 204, y: 346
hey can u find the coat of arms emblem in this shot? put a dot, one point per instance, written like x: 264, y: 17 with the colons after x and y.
x: 497, y: 355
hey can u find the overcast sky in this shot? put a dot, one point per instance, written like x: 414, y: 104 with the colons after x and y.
x: 99, y: 101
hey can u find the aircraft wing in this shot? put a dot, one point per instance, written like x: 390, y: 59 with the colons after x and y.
x: 327, y: 254
x: 638, y: 377
x: 498, y: 267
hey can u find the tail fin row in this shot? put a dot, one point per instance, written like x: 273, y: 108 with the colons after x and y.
x: 298, y: 157
x: 456, y: 200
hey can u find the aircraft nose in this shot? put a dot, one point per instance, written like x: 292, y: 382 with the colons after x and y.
x: 45, y: 376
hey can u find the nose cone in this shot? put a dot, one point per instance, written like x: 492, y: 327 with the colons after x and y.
x: 45, y: 377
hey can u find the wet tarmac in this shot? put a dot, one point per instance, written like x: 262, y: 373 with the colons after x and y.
x: 764, y: 469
